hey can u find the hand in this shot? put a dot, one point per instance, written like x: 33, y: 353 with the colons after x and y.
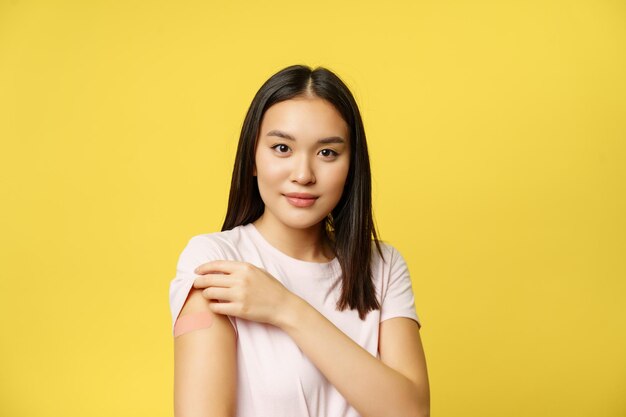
x: 245, y: 291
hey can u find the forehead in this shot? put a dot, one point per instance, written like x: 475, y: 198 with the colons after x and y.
x: 306, y: 118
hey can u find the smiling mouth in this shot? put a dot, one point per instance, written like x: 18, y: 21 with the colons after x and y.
x: 301, y: 202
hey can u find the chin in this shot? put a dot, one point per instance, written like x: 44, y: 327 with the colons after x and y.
x: 302, y: 221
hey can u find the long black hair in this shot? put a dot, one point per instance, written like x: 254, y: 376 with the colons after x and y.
x: 350, y: 225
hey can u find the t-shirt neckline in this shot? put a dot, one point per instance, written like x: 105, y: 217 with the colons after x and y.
x: 318, y: 268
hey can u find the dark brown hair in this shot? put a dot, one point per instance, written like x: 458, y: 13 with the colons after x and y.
x: 350, y: 225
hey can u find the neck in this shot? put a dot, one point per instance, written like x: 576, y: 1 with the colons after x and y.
x: 307, y: 244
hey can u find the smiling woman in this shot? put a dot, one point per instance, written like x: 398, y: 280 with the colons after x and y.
x: 296, y: 308
x: 304, y: 172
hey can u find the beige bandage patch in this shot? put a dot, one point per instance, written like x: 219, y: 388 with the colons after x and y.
x: 193, y: 321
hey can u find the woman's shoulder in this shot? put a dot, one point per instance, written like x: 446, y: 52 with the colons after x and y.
x: 387, y: 252
x: 388, y: 266
x: 224, y: 243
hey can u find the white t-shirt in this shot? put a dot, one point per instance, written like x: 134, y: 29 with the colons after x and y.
x: 275, y: 378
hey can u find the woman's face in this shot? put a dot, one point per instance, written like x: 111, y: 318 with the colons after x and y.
x: 303, y: 147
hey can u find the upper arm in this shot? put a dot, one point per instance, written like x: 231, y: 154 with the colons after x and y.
x: 400, y: 347
x: 205, y: 365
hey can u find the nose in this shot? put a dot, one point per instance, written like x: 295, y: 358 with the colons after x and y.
x: 302, y: 172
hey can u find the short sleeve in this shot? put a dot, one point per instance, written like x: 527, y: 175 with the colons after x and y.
x: 199, y: 250
x: 398, y: 299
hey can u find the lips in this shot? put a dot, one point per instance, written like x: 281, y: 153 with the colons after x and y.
x: 300, y: 195
x: 300, y: 199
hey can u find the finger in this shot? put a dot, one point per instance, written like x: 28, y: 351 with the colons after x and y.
x: 217, y: 293
x: 220, y: 265
x: 228, y: 309
x: 212, y: 280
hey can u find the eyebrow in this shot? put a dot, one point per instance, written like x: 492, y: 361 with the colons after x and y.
x: 280, y: 134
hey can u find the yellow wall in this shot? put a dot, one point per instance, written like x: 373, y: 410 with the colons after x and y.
x: 497, y: 134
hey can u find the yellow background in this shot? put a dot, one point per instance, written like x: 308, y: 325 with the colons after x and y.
x: 497, y: 135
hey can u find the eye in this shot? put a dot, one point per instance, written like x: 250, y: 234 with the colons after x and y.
x: 282, y: 146
x: 331, y: 154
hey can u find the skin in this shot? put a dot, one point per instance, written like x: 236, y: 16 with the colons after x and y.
x: 304, y: 166
x: 395, y: 385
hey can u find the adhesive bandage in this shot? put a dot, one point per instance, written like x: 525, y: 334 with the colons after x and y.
x: 193, y: 321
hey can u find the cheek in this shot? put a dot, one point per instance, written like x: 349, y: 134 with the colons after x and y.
x: 337, y: 178
x: 267, y: 169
